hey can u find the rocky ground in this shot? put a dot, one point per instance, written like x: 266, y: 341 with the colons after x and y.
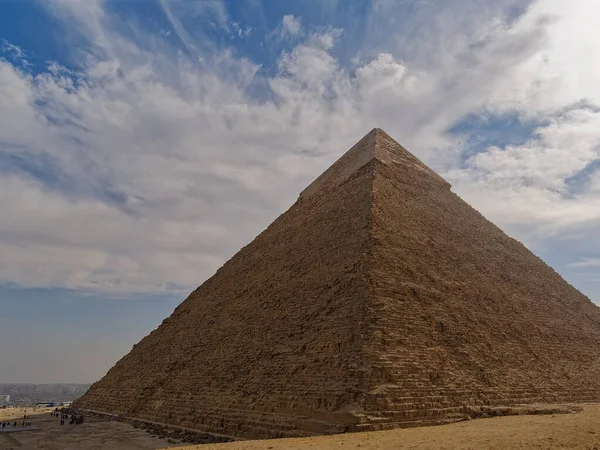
x: 93, y: 434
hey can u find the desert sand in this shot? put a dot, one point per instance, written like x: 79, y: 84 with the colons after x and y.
x: 17, y: 413
x: 565, y: 431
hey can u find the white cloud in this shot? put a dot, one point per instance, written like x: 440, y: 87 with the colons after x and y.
x: 157, y: 168
x: 586, y: 262
x: 14, y: 51
x: 241, y: 31
x: 528, y: 183
x: 290, y: 27
x: 561, y: 72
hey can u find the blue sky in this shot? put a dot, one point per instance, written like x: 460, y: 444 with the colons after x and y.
x: 142, y: 143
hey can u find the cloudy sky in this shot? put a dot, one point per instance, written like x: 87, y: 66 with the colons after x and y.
x: 142, y: 143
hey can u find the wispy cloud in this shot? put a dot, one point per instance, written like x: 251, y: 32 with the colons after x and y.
x: 147, y: 168
x: 240, y: 30
x: 176, y: 25
x: 14, y: 51
x: 189, y: 21
x: 586, y: 262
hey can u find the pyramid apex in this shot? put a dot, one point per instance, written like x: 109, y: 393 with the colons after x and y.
x: 349, y: 163
x: 375, y: 145
x: 388, y: 151
x: 375, y: 132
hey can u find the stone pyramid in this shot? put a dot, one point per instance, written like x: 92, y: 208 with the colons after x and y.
x: 379, y: 299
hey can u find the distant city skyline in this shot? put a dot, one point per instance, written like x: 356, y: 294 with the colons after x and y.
x: 30, y: 394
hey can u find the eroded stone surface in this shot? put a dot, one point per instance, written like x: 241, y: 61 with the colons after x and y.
x: 379, y: 299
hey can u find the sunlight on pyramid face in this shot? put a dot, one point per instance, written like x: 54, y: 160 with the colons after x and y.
x: 379, y: 287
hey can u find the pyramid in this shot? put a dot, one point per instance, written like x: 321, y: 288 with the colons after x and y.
x: 379, y: 299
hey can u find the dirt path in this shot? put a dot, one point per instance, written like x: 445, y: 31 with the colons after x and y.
x: 565, y: 431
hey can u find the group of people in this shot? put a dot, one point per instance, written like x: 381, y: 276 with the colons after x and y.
x: 14, y: 424
x: 73, y: 418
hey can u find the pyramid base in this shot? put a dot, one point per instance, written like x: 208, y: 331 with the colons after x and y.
x: 401, y: 412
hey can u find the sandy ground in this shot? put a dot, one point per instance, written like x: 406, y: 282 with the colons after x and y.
x: 94, y: 435
x: 565, y: 431
x: 17, y: 413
